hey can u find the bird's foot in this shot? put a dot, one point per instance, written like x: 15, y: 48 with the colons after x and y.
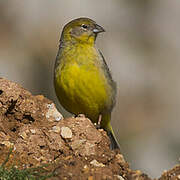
x: 98, y: 124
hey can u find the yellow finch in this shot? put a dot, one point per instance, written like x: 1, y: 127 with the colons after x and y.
x: 82, y: 80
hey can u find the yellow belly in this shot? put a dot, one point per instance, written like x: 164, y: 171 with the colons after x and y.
x: 83, y: 89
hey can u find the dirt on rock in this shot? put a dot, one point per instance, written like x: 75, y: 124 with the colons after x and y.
x: 39, y: 134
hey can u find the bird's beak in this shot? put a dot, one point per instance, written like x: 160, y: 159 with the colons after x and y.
x: 98, y: 29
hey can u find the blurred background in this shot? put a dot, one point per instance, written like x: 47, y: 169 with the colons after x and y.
x: 142, y: 48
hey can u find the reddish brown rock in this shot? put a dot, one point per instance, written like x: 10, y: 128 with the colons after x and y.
x: 73, y: 147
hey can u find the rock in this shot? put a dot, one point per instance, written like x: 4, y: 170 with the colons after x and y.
x: 39, y: 134
x: 56, y: 129
x: 52, y: 113
x: 96, y: 163
x: 66, y: 133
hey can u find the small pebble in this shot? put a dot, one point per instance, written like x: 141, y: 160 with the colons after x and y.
x: 33, y: 131
x: 23, y: 135
x: 56, y: 129
x: 53, y: 113
x: 96, y: 163
x: 66, y: 133
x: 81, y: 115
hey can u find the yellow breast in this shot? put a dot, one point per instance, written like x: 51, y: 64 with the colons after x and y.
x: 81, y: 84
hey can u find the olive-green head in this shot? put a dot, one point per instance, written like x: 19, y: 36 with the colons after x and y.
x: 81, y: 30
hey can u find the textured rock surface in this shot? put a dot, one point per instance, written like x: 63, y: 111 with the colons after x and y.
x: 38, y: 134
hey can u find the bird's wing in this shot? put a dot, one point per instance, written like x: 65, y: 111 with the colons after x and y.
x: 108, y: 74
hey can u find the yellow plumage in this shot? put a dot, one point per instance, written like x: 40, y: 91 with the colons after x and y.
x: 82, y: 80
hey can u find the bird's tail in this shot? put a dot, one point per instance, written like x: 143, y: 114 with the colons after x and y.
x: 105, y: 124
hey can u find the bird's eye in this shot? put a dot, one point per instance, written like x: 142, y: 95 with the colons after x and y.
x: 84, y: 26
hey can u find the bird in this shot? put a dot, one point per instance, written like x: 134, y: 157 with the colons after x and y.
x: 82, y: 79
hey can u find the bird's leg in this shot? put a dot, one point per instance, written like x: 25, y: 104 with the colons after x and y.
x: 99, y: 120
x: 97, y: 125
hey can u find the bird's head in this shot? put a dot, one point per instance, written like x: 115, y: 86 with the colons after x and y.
x: 81, y: 30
